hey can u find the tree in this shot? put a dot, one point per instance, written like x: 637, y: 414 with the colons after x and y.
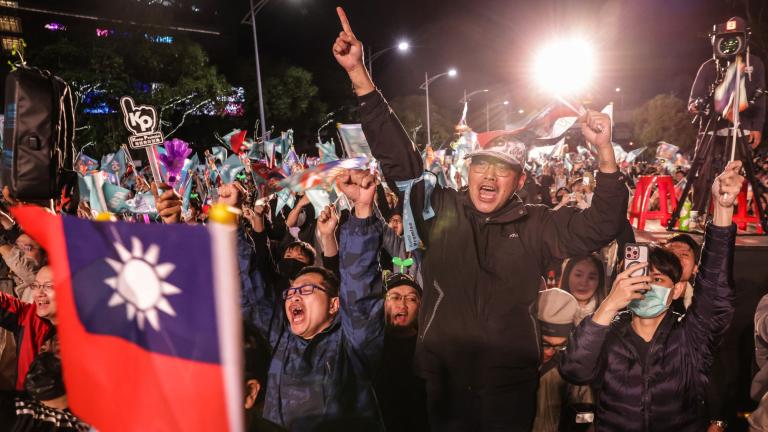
x: 413, y: 115
x: 175, y: 78
x: 664, y: 118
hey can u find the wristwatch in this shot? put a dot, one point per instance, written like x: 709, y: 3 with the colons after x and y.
x: 719, y: 423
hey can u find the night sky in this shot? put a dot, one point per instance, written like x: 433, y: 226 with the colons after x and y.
x: 645, y: 47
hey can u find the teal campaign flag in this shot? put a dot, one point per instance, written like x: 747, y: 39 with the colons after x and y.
x: 327, y: 151
x: 230, y: 168
x: 320, y: 199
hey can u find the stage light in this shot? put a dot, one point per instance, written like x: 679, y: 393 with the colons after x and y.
x: 403, y: 46
x: 452, y: 73
x: 565, y: 67
x: 521, y: 111
x: 506, y: 102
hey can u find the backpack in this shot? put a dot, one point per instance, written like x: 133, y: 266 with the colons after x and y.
x: 37, y: 159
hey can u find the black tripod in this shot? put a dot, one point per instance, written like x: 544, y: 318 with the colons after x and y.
x: 705, y: 155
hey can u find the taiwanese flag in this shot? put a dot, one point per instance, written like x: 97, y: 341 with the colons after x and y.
x: 149, y: 322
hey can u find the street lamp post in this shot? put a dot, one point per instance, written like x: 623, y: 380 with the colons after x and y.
x: 401, y: 46
x: 425, y: 86
x: 255, y: 9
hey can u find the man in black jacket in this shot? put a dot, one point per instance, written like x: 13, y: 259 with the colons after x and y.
x: 649, y: 365
x: 478, y: 343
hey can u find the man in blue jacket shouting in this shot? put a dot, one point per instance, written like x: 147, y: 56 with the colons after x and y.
x: 649, y: 365
x: 326, y: 337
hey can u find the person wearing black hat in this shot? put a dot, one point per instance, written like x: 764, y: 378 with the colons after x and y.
x: 401, y: 394
x: 486, y: 252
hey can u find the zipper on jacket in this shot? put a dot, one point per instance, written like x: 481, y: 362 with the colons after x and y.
x: 440, y: 295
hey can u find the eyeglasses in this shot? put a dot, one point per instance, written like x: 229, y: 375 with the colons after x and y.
x: 304, y: 290
x: 560, y: 348
x: 397, y: 298
x: 47, y: 287
x: 481, y: 166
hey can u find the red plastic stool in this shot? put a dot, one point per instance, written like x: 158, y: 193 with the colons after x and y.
x: 742, y: 217
x: 641, y: 202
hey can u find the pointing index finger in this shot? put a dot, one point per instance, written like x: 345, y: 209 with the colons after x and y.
x: 344, y: 21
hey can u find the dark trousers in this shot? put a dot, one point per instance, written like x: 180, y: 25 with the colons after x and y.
x: 466, y: 408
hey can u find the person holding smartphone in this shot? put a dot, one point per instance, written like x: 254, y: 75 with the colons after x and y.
x: 649, y: 365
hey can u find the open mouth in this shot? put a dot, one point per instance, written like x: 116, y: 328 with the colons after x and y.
x: 43, y: 303
x: 400, y: 318
x: 296, y: 313
x: 488, y: 193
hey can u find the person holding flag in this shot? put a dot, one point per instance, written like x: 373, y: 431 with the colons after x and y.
x: 478, y: 346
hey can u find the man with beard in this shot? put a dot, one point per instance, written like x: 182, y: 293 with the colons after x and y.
x: 401, y: 393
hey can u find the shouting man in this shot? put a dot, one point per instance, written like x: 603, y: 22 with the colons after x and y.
x: 478, y: 344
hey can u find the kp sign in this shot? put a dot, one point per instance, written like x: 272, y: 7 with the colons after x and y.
x: 142, y: 122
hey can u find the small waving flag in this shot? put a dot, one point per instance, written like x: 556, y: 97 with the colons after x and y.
x: 150, y: 334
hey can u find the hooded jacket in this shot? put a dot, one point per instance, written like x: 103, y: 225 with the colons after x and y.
x: 324, y: 383
x: 667, y: 393
x: 478, y: 345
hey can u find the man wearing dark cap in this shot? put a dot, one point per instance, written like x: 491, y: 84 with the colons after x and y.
x: 486, y: 251
x: 400, y: 392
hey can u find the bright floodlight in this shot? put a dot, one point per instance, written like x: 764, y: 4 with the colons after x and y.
x: 506, y: 102
x: 565, y: 67
x: 452, y: 73
x: 403, y: 46
x: 521, y: 111
x: 618, y: 89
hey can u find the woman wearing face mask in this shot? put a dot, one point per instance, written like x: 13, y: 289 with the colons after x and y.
x: 652, y: 365
x: 584, y: 278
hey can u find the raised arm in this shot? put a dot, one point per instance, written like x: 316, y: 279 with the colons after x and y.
x: 11, y: 310
x: 389, y: 142
x: 712, y: 307
x: 362, y: 294
x: 567, y: 232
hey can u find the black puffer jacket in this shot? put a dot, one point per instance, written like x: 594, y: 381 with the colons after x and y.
x: 478, y: 346
x: 667, y: 394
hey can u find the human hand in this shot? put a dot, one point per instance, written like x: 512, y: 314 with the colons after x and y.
x: 255, y: 216
x: 230, y: 194
x: 168, y: 203
x: 727, y: 185
x: 360, y: 187
x: 347, y: 49
x: 327, y: 222
x: 303, y: 201
x: 625, y: 289
x: 596, y: 128
x: 754, y: 138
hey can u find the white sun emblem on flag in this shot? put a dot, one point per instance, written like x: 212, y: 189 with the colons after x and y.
x: 140, y: 283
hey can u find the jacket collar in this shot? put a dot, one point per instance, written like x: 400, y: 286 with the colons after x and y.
x: 512, y: 210
x: 624, y: 322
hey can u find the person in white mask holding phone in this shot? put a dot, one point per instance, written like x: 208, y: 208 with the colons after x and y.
x: 648, y: 364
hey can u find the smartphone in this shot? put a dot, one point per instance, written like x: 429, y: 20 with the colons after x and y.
x: 635, y: 253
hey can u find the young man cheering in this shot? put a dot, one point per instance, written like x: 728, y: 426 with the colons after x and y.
x: 649, y: 365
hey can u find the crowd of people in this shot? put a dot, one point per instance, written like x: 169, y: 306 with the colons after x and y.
x: 496, y: 300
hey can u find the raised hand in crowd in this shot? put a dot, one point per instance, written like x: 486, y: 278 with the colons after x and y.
x: 348, y: 51
x: 360, y: 187
x: 725, y: 189
x: 596, y: 128
x: 255, y: 216
x: 327, y: 222
x: 168, y: 203
x: 293, y: 217
x: 231, y: 194
x: 625, y: 289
